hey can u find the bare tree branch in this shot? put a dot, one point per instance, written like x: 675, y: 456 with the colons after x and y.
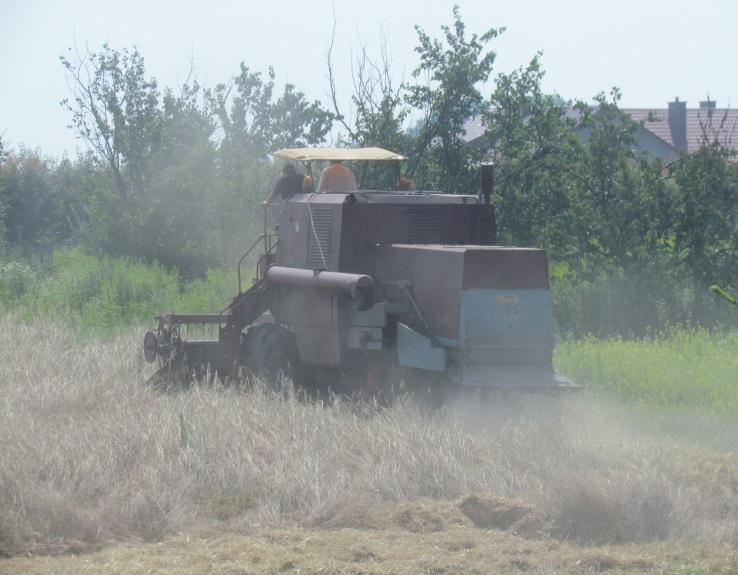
x: 332, y: 84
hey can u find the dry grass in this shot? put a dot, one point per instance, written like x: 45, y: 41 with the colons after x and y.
x: 455, y: 549
x: 91, y: 455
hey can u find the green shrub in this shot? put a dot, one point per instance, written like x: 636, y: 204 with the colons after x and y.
x: 105, y: 294
x: 16, y: 279
x: 682, y: 369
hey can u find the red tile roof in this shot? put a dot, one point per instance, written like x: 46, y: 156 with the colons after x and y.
x: 703, y: 125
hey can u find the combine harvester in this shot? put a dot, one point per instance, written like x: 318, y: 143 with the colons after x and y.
x: 373, y: 292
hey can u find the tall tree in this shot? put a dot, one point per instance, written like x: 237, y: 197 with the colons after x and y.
x: 537, y: 153
x: 158, y: 149
x: 379, y: 112
x: 257, y: 121
x: 706, y: 214
x: 115, y: 110
x: 629, y: 208
x: 422, y: 118
x: 446, y: 94
x: 36, y: 214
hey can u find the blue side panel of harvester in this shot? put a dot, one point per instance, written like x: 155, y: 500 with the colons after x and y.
x: 506, y: 317
x: 507, y: 338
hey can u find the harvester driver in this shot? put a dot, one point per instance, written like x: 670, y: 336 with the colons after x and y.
x: 336, y: 178
x: 288, y: 185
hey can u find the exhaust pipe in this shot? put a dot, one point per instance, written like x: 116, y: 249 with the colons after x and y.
x: 487, y: 181
x: 359, y: 287
x: 487, y: 186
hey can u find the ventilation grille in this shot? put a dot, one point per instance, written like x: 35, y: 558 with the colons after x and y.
x: 415, y: 226
x: 322, y: 227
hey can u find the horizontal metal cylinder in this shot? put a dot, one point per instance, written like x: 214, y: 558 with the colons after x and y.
x: 333, y: 281
x: 359, y: 287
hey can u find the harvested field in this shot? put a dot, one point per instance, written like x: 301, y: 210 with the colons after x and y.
x: 458, y: 548
x: 235, y: 481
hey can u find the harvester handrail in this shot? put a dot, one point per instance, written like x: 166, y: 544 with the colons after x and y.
x: 270, y: 248
x: 243, y: 257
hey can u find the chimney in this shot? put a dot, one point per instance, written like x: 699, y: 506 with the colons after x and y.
x: 708, y: 104
x: 678, y: 124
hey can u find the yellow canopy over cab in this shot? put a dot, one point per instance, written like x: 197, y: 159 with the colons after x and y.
x: 341, y: 154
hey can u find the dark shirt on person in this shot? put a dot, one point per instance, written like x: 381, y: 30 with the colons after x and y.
x: 288, y: 186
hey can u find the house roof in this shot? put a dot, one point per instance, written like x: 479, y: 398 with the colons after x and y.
x: 473, y: 128
x: 702, y: 124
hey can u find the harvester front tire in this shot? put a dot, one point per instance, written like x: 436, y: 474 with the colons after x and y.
x: 271, y: 353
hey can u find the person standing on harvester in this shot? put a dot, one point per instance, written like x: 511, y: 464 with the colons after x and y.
x: 336, y: 178
x: 287, y: 186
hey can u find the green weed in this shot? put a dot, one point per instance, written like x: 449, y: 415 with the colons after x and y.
x: 695, y: 370
x: 102, y: 295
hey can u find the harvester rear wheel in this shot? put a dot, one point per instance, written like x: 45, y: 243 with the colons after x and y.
x: 270, y: 352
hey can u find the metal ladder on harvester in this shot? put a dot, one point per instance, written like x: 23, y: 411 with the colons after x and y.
x: 248, y: 305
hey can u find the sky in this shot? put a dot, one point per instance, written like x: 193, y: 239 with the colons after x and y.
x: 652, y: 50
